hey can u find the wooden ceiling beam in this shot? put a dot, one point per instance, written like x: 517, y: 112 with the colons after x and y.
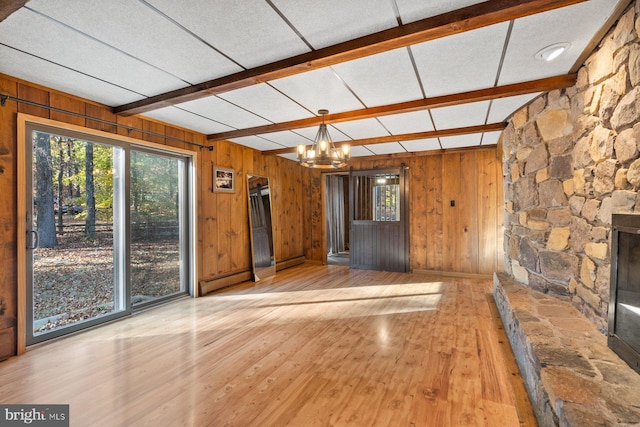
x: 7, y: 7
x: 454, y: 22
x: 541, y: 85
x: 493, y: 127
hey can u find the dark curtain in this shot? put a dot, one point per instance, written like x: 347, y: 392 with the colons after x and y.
x: 335, y: 214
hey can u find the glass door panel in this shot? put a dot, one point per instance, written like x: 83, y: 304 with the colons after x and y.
x: 157, y: 230
x: 75, y: 254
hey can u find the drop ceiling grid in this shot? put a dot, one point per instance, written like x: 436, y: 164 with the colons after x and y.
x: 574, y: 24
x: 318, y: 89
x: 414, y: 10
x: 223, y: 112
x: 462, y: 62
x: 249, y: 31
x: 256, y: 143
x: 502, y: 108
x: 78, y: 52
x: 417, y: 145
x: 385, y: 78
x: 360, y: 151
x: 289, y: 138
x: 460, y: 141
x: 187, y: 119
x: 471, y: 114
x: 386, y: 148
x: 490, y: 138
x: 328, y: 22
x: 266, y: 102
x: 143, y: 33
x: 416, y: 121
x: 364, y: 128
x: 30, y: 68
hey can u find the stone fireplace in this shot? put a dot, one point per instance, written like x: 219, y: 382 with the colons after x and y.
x: 571, y: 159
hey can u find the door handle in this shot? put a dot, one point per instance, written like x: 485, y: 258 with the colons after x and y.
x: 33, y: 239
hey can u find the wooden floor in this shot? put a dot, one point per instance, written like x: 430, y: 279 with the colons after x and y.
x: 316, y: 346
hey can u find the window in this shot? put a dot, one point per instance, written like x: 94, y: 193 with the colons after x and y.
x: 109, y: 226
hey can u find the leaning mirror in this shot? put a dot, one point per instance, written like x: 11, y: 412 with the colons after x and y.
x: 264, y: 263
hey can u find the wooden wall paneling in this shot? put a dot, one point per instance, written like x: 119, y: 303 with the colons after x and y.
x: 154, y: 128
x: 223, y: 209
x: 434, y: 213
x: 239, y: 216
x: 315, y: 215
x: 487, y: 211
x: 128, y: 124
x: 418, y: 193
x: 36, y: 95
x: 450, y: 214
x: 171, y: 132
x: 468, y: 232
x: 499, y: 230
x: 307, y: 209
x: 280, y: 207
x: 8, y: 221
x: 295, y: 222
x: 207, y: 223
x: 101, y: 113
x: 67, y: 103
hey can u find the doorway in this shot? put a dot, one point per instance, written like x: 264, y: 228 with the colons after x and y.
x: 379, y: 219
x: 337, y: 216
x: 108, y: 229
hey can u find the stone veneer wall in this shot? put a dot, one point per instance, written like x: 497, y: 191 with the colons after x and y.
x: 571, y: 159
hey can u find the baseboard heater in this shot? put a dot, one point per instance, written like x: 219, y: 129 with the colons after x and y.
x: 210, y: 285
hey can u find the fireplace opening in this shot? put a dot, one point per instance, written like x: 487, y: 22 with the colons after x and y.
x: 624, y: 296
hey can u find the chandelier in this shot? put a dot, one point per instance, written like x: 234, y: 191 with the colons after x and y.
x: 322, y: 153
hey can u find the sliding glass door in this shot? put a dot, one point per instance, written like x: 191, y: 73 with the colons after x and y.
x: 107, y: 230
x: 157, y: 206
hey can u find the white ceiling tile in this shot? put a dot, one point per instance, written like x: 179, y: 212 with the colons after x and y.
x: 386, y: 78
x: 319, y: 89
x: 290, y: 156
x: 256, y: 143
x: 398, y: 124
x: 490, y: 138
x: 462, y: 62
x: 30, y: 68
x: 386, y: 148
x: 223, y: 112
x: 143, y: 33
x: 249, y: 31
x: 472, y: 114
x: 267, y: 102
x: 83, y: 54
x: 502, y: 109
x: 461, y: 141
x: 327, y: 22
x: 310, y: 133
x: 418, y: 145
x: 189, y: 120
x: 360, y: 151
x: 414, y: 10
x: 288, y: 138
x: 574, y: 24
x: 358, y: 129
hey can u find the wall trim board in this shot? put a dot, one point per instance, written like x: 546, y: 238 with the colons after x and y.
x: 213, y: 284
x: 454, y: 274
x: 291, y: 262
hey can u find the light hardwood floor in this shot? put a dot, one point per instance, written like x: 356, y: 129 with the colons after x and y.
x: 315, y: 346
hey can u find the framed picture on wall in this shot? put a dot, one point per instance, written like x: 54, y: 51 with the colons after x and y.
x: 224, y: 180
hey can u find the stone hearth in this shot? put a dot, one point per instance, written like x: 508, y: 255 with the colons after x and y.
x: 571, y: 375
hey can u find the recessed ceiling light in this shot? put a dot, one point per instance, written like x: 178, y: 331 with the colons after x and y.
x: 550, y: 53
